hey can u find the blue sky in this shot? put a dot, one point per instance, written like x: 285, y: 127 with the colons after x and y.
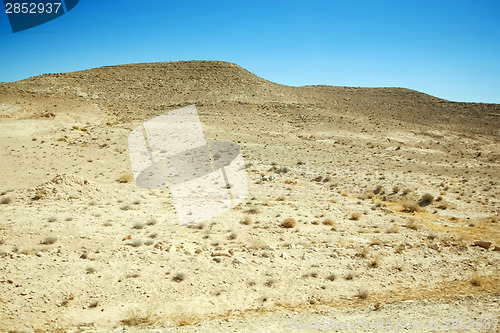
x: 449, y: 49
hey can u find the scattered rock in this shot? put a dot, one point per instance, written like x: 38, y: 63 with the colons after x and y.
x: 483, y: 244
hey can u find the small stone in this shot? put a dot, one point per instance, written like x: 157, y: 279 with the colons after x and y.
x: 220, y: 254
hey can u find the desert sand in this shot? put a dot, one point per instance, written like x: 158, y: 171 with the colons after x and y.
x: 384, y: 205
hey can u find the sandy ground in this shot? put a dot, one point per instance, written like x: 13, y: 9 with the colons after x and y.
x: 82, y: 251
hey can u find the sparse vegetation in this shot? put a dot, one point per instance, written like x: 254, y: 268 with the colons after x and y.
x: 136, y: 243
x: 138, y: 225
x: 270, y: 282
x: 410, y: 207
x: 362, y: 294
x: 355, y: 216
x: 253, y: 210
x: 412, y: 224
x: 90, y: 270
x: 49, y: 240
x: 151, y: 221
x: 374, y: 262
x: 331, y: 277
x: 394, y: 229
x: 247, y: 220
x: 289, y: 223
x: 135, y: 319
x: 179, y: 277
x: 406, y: 191
x: 476, y: 281
x: 125, y: 207
x: 5, y: 200
x: 329, y: 222
x: 426, y: 200
x: 125, y: 177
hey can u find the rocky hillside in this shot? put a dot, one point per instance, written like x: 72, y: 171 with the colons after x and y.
x: 140, y: 91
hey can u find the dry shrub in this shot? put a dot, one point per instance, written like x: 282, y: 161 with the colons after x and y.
x: 125, y: 177
x: 289, y: 223
x: 185, y: 319
x: 426, y: 199
x: 247, y: 220
x: 413, y: 225
x: 281, y: 198
x: 476, y: 281
x: 6, y: 200
x: 355, y: 216
x: 362, y: 294
x: 179, y: 277
x: 410, y: 207
x: 399, y: 248
x: 364, y: 252
x: 253, y: 210
x: 394, y: 229
x: 331, y: 277
x: 443, y: 205
x: 136, y: 319
x: 374, y: 263
x: 49, y: 240
x: 329, y: 222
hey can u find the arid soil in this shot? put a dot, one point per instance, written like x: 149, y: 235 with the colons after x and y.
x: 383, y: 205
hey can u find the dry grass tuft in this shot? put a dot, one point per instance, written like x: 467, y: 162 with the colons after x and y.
x: 126, y: 177
x: 135, y: 319
x: 289, y: 223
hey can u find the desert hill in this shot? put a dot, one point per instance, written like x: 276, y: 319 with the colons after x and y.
x: 140, y: 91
x: 383, y: 204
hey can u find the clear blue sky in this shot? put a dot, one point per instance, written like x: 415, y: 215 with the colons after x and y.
x: 449, y: 49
